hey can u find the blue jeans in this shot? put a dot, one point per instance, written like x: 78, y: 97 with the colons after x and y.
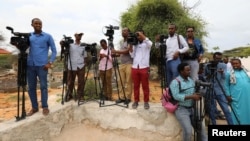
x: 171, y: 70
x: 222, y: 101
x: 184, y: 115
x: 32, y: 73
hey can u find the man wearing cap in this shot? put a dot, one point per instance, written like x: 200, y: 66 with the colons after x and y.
x: 76, y: 62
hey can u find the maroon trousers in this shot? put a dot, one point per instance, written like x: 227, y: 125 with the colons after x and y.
x: 141, y: 76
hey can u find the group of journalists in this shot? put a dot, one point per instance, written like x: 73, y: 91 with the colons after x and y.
x: 229, y: 86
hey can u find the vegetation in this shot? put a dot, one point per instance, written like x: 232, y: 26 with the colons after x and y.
x: 153, y: 16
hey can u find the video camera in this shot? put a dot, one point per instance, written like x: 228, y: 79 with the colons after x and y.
x: 20, y: 40
x: 89, y: 47
x: 199, y: 84
x: 132, y: 38
x: 212, y: 65
x: 110, y: 30
x: 163, y: 39
x: 92, y: 49
x: 66, y: 41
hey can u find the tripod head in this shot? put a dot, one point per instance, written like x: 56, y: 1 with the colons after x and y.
x: 92, y: 49
x: 20, y: 40
x: 65, y: 45
x: 110, y: 33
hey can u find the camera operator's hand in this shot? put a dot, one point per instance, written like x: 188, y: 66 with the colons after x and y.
x: 176, y: 55
x: 104, y: 55
x: 47, y: 66
x: 196, y: 96
x: 130, y: 48
x: 113, y: 51
x: 221, y: 70
x: 229, y: 99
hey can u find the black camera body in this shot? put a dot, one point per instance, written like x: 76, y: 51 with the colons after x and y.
x: 212, y: 65
x: 110, y: 30
x: 132, y: 38
x: 199, y: 84
x: 20, y: 40
x: 65, y: 44
x: 89, y: 47
x: 92, y: 49
x: 67, y: 41
x: 163, y: 39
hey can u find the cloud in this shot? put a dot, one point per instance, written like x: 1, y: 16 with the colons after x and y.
x: 227, y: 20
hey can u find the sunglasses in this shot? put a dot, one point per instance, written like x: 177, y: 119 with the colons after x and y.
x: 190, y: 31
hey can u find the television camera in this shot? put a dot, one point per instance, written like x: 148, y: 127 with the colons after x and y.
x: 132, y: 38
x: 65, y: 43
x: 212, y: 65
x: 20, y: 40
x: 90, y: 48
x: 110, y: 30
x: 199, y: 84
x: 163, y: 39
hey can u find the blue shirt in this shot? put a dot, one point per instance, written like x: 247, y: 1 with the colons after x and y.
x: 217, y: 79
x: 187, y: 88
x: 39, y: 49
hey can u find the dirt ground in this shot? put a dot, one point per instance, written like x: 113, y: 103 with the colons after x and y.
x: 8, y: 101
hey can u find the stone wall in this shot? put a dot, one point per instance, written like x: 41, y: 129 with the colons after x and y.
x: 154, y: 124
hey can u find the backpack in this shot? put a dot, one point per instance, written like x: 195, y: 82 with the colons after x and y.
x: 167, y: 100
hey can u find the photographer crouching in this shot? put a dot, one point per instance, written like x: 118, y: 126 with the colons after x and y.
x: 184, y: 92
x: 76, y: 66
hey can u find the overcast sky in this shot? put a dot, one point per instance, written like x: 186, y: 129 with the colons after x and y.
x: 228, y: 20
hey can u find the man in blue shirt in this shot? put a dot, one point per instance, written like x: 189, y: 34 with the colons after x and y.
x: 38, y: 65
x: 184, y: 93
x: 215, y: 74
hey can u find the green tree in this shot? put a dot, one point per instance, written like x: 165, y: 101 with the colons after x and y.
x: 153, y: 16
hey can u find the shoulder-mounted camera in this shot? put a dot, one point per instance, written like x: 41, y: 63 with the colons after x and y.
x: 132, y: 38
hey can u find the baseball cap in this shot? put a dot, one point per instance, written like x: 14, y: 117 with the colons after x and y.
x: 79, y: 33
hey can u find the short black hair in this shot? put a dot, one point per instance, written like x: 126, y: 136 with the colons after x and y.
x: 103, y: 41
x: 236, y: 59
x: 173, y: 25
x: 187, y: 27
x: 217, y: 53
x: 182, y: 66
x: 34, y: 20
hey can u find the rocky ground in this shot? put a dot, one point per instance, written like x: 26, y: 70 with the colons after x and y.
x: 8, y: 101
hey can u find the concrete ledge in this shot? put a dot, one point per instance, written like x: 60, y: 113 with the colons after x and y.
x: 154, y: 124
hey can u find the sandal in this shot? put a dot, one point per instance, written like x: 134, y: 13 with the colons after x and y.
x: 32, y: 111
x: 45, y: 111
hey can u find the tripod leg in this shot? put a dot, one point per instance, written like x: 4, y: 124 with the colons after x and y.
x: 23, y: 104
x: 18, y: 103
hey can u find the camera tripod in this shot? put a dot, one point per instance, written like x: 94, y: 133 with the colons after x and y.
x: 21, y: 82
x: 88, y: 93
x: 65, y: 76
x: 21, y: 41
x: 116, y: 70
x: 211, y: 94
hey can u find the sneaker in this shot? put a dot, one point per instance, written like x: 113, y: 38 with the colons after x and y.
x: 146, y: 105
x: 135, y: 105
